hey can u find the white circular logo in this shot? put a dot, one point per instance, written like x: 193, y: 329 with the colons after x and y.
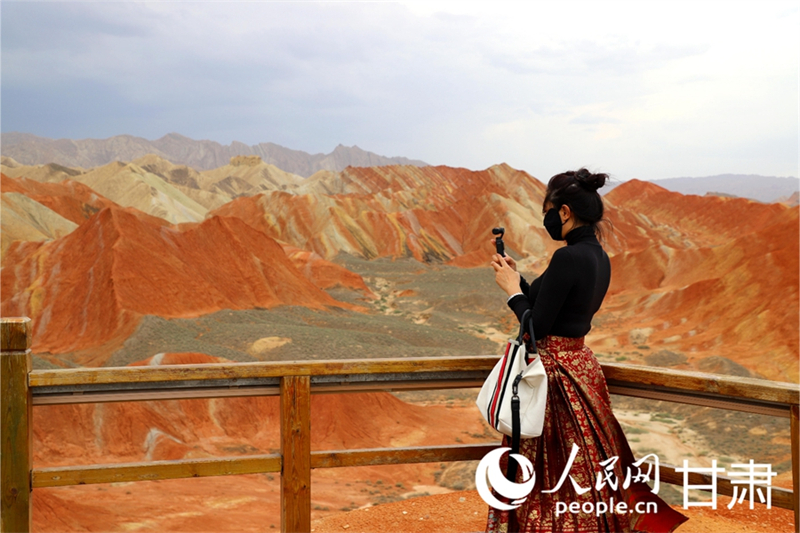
x: 516, y: 492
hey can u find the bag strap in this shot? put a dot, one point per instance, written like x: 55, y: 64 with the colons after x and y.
x: 511, y: 474
x: 527, y: 319
x: 516, y: 425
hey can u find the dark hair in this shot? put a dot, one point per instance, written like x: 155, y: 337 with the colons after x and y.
x: 578, y: 190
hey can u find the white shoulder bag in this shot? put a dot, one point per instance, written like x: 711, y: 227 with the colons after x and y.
x: 514, y: 396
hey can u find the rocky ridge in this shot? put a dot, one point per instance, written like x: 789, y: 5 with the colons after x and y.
x: 204, y: 155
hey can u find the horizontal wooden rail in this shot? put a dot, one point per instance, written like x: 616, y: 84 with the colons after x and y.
x: 396, y: 456
x: 182, y: 390
x: 652, y: 378
x: 699, y: 399
x: 234, y: 372
x: 154, y: 470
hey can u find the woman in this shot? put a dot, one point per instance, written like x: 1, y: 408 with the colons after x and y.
x: 563, y: 301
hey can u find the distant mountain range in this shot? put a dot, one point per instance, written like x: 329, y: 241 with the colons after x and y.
x: 30, y: 149
x: 766, y: 189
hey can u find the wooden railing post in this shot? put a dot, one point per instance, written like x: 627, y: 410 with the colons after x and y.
x: 296, y: 454
x: 794, y: 427
x: 15, y: 425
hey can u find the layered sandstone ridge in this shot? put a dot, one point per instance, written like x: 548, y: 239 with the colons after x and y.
x: 127, y: 184
x: 431, y: 213
x: 24, y: 219
x: 72, y: 200
x: 153, y: 185
x: 91, y: 287
x: 707, y: 273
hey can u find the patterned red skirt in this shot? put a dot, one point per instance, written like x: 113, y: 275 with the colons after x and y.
x: 579, y: 411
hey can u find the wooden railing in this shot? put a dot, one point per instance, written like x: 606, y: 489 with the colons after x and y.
x: 21, y: 389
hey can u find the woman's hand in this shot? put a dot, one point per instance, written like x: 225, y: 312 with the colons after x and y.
x: 505, y: 276
x: 508, y: 258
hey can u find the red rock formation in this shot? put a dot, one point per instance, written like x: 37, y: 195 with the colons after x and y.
x: 90, y: 287
x: 70, y: 199
x: 429, y: 213
x: 708, y: 274
x: 702, y: 220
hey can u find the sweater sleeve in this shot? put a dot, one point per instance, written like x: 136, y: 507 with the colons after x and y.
x: 554, y: 285
x: 523, y: 285
x: 533, y: 291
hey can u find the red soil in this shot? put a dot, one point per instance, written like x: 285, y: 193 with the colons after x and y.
x: 465, y: 511
x: 250, y: 503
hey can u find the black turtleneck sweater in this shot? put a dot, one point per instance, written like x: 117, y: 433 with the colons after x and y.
x: 569, y: 292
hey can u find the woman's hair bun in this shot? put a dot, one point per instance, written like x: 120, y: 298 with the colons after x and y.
x: 589, y: 180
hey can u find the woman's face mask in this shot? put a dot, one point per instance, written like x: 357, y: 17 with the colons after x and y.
x: 553, y: 224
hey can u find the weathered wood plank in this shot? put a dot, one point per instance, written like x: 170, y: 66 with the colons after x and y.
x: 296, y: 454
x: 780, y: 497
x: 234, y: 371
x: 16, y: 437
x: 794, y: 428
x: 747, y: 388
x: 693, y: 398
x: 395, y: 456
x: 154, y: 470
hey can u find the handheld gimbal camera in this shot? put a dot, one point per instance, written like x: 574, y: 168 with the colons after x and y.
x: 498, y: 242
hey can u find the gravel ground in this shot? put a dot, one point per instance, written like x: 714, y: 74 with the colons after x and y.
x: 466, y: 512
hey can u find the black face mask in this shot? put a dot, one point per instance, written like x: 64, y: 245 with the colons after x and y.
x: 553, y: 224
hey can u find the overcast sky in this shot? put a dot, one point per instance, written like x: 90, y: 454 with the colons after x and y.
x: 638, y: 89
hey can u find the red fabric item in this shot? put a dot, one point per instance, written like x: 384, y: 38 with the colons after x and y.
x: 578, y: 411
